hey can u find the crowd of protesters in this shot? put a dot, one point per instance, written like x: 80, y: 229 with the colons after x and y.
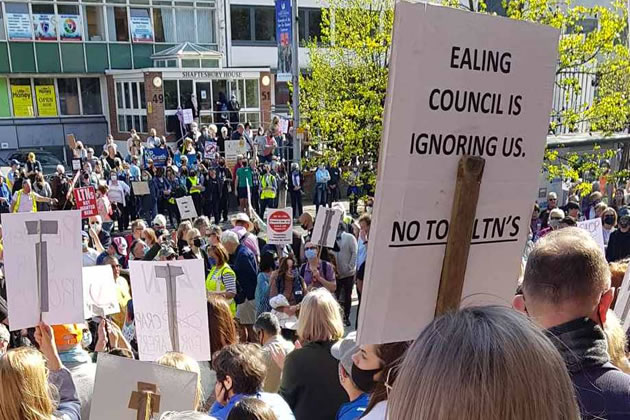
x: 278, y: 314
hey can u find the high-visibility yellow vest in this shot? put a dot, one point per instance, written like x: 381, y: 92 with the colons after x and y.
x: 268, y: 190
x: 19, y: 198
x: 194, y: 182
x: 214, y: 282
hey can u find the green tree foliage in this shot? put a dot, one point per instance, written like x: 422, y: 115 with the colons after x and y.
x: 343, y: 95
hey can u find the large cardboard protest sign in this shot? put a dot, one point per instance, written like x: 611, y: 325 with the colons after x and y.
x: 43, y: 262
x: 595, y: 229
x: 169, y: 300
x: 326, y: 225
x: 483, y: 90
x: 141, y: 188
x: 119, y: 381
x: 622, y: 305
x: 280, y: 226
x: 186, y: 207
x: 85, y: 198
x: 99, y: 291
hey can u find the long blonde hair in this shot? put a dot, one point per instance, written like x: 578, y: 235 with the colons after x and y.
x: 183, y: 362
x: 616, y: 339
x: 320, y: 317
x: 24, y: 390
x: 483, y: 363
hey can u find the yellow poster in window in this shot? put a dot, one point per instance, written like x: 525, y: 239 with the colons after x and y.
x: 22, y: 101
x: 46, y: 100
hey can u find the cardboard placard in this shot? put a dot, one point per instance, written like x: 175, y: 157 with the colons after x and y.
x: 50, y: 288
x: 280, y: 226
x: 484, y: 90
x: 186, y: 208
x: 622, y: 305
x: 595, y: 229
x: 326, y: 225
x: 99, y: 291
x: 169, y: 300
x: 85, y: 198
x: 141, y: 188
x: 116, y: 386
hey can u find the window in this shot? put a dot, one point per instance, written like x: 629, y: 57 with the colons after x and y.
x: 164, y: 25
x: 44, y: 22
x: 22, y: 97
x: 2, y: 34
x: 117, y: 24
x: 170, y: 94
x: 131, y: 106
x: 251, y: 93
x: 241, y: 28
x: 91, y: 96
x: 185, y: 93
x: 93, y: 16
x: 265, y: 27
x: 185, y: 24
x: 253, y: 24
x: 68, y: 96
x: 310, y: 24
x: 205, y: 26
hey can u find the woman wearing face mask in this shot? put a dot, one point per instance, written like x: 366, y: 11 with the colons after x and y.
x: 316, y: 272
x: 221, y: 280
x: 374, y: 371
x: 195, y: 251
x: 287, y: 281
x: 609, y: 221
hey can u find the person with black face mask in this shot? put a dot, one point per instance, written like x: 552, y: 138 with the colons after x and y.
x: 195, y: 250
x: 609, y: 221
x: 619, y: 242
x: 374, y: 371
x: 224, y: 175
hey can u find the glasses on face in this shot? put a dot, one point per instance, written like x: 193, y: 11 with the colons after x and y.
x: 556, y: 218
x: 553, y: 199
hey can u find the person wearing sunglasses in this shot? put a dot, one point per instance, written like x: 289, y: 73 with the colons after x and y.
x: 552, y: 203
x: 555, y: 218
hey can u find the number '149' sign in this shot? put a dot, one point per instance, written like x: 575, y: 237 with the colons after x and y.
x: 85, y: 198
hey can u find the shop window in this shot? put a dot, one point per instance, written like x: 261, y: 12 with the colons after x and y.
x: 68, y: 96
x: 95, y: 24
x: 91, y: 96
x: 117, y: 24
x: 44, y: 22
x: 170, y: 94
x: 205, y: 26
x: 45, y: 97
x: 185, y: 24
x: 22, y: 97
x: 164, y: 25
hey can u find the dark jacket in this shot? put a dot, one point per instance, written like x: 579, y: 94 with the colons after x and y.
x: 618, y: 246
x: 602, y: 390
x: 290, y: 181
x: 310, y: 382
x: 243, y: 262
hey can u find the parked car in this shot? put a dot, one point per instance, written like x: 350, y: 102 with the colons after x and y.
x: 48, y: 160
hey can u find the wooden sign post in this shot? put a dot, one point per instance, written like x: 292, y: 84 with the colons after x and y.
x: 145, y: 401
x: 460, y: 231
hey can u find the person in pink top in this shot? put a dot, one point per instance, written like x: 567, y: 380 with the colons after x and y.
x: 243, y: 227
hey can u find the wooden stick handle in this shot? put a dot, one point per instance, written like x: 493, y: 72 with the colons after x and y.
x: 460, y: 231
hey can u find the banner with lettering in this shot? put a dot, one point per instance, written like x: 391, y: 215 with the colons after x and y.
x: 141, y: 30
x: 45, y: 27
x: 85, y: 198
x: 19, y: 27
x: 157, y: 155
x: 46, y: 100
x: 284, y: 37
x: 22, y: 98
x: 70, y: 27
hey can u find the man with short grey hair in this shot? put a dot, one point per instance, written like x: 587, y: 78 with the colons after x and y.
x: 566, y: 290
x: 267, y: 328
x: 552, y: 203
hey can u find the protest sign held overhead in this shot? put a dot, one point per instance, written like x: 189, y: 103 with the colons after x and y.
x: 280, y: 226
x: 483, y: 90
x: 622, y: 306
x: 85, y: 197
x: 595, y: 229
x: 119, y: 381
x: 99, y: 291
x: 42, y: 256
x: 170, y: 308
x: 326, y: 225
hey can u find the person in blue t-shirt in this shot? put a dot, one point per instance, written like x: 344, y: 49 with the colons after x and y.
x: 343, y: 351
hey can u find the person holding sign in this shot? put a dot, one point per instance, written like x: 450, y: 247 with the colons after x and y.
x: 566, y: 289
x: 25, y: 200
x: 26, y: 376
x: 316, y: 272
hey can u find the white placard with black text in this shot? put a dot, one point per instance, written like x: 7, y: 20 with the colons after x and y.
x: 186, y: 207
x: 280, y: 226
x: 151, y: 297
x: 485, y: 90
x: 59, y: 300
x: 595, y: 229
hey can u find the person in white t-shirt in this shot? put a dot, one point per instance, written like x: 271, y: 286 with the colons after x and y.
x: 24, y: 200
x: 89, y: 254
x: 153, y: 140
